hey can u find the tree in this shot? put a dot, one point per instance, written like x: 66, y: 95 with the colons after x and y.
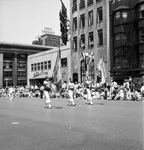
x: 63, y: 23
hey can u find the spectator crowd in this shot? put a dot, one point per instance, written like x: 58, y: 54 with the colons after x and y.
x: 98, y: 90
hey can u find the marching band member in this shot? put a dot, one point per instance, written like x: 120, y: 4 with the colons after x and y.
x: 71, y: 89
x: 47, y: 89
x: 11, y: 92
x: 89, y: 95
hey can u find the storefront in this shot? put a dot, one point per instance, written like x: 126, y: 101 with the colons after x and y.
x: 43, y: 64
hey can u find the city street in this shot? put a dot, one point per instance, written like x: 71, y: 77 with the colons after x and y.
x: 107, y: 125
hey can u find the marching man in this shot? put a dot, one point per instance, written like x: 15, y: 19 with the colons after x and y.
x: 89, y: 95
x: 47, y: 89
x: 71, y: 89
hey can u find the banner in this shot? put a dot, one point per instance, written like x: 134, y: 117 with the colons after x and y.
x: 101, y: 68
x: 57, y: 76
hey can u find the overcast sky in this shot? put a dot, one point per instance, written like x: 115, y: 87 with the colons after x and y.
x: 21, y: 21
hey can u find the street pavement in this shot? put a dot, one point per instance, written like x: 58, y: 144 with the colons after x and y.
x: 107, y: 125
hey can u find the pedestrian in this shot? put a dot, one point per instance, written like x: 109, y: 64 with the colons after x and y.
x: 47, y: 89
x: 89, y: 95
x: 71, y: 89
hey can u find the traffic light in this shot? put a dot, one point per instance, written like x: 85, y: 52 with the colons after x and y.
x: 63, y: 24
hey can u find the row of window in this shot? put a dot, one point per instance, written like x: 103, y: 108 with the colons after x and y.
x: 82, y: 4
x: 10, y: 56
x: 41, y: 66
x: 90, y: 19
x: 9, y: 65
x: 90, y: 40
x: 122, y: 38
x: 10, y: 74
x: 123, y: 15
x: 46, y: 65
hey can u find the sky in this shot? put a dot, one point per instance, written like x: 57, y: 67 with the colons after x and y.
x: 22, y: 21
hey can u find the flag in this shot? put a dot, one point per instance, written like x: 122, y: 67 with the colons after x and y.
x: 101, y: 68
x: 57, y: 76
x: 91, y: 57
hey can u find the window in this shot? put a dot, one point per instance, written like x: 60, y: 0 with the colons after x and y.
x: 89, y: 2
x: 142, y: 64
x: 74, y: 7
x: 98, y: 1
x: 49, y: 64
x: 35, y: 67
x: 117, y: 15
x: 100, y: 36
x: 90, y: 18
x: 7, y: 65
x: 118, y: 62
x: 82, y: 4
x: 117, y: 40
x: 75, y: 44
x: 74, y: 2
x: 113, y: 1
x: 82, y: 42
x: 118, y: 52
x: 21, y: 57
x: 7, y: 73
x: 8, y: 56
x: 32, y: 67
x: 142, y: 11
x: 125, y: 15
x: 41, y: 65
x: 21, y: 65
x: 142, y: 35
x: 82, y: 21
x: 38, y: 66
x: 99, y: 14
x: 45, y: 65
x: 91, y: 40
x: 120, y: 39
x: 74, y: 24
x: 64, y: 62
x: 21, y: 74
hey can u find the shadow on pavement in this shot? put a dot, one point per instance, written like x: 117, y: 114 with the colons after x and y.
x: 57, y: 107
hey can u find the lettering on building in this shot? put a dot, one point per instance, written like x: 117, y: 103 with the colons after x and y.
x: 36, y: 74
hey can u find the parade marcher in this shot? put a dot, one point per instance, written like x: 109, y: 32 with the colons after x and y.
x: 47, y: 89
x: 142, y: 89
x: 41, y: 91
x: 63, y: 89
x: 127, y: 89
x: 131, y: 84
x: 71, y: 89
x: 89, y: 95
x: 11, y: 92
x: 105, y: 85
x: 113, y: 88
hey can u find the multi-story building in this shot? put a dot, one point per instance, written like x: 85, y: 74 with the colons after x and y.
x: 13, y: 62
x: 48, y: 40
x: 127, y: 39
x: 89, y: 38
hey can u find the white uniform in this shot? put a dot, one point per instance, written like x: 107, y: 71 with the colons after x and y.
x: 89, y: 94
x: 47, y: 88
x: 71, y: 88
x: 11, y: 93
